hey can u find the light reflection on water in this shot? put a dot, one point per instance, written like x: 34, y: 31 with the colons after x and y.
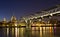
x: 33, y: 32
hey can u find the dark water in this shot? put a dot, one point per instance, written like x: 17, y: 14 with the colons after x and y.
x: 31, y: 32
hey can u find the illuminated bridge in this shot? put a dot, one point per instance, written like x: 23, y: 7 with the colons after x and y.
x: 48, y: 12
x: 47, y: 16
x: 43, y: 18
x: 41, y: 22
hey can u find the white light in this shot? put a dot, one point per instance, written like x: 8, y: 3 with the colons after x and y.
x: 41, y: 16
x: 35, y: 17
x: 7, y: 32
x: 39, y: 19
x: 51, y: 14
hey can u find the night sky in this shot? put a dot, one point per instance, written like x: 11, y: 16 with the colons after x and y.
x: 24, y: 7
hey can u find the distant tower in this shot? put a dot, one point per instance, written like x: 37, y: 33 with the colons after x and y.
x: 13, y: 19
x: 4, y: 20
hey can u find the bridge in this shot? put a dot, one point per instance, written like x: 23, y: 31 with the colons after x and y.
x: 36, y: 20
x: 31, y: 23
x: 44, y: 13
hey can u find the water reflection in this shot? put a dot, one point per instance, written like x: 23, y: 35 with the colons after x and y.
x: 33, y: 32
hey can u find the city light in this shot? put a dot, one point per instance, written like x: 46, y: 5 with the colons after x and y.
x: 41, y: 23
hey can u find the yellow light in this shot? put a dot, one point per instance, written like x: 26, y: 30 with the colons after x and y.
x: 16, y: 30
x: 50, y: 29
